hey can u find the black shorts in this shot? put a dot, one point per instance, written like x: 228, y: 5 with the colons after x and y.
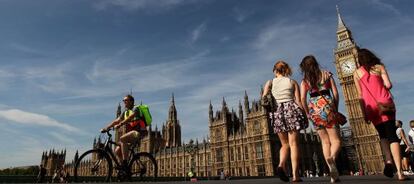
x: 387, y: 131
x: 403, y: 153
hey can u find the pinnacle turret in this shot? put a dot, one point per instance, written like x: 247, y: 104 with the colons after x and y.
x: 172, y: 112
x: 341, y: 25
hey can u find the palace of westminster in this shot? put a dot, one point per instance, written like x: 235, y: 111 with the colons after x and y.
x: 242, y: 143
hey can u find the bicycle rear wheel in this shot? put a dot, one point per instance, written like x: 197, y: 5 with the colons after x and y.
x: 94, y: 165
x: 144, y: 167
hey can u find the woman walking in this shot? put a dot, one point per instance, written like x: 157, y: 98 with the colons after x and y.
x: 404, y: 145
x: 373, y: 85
x: 319, y: 84
x: 287, y: 119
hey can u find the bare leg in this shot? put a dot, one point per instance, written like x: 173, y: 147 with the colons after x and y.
x: 118, y: 153
x: 404, y: 163
x: 395, y: 149
x: 335, y: 142
x: 294, y: 154
x: 125, y: 139
x: 326, y: 144
x: 284, y: 150
x: 385, y: 145
x: 283, y: 155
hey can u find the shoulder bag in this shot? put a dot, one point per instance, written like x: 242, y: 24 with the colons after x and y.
x: 334, y: 115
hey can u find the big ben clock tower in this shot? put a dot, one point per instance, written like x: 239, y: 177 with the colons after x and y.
x: 365, y: 137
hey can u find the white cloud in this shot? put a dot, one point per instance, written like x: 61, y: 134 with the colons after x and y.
x: 148, y: 78
x: 26, y: 49
x: 241, y: 14
x: 154, y: 5
x: 62, y: 138
x: 6, y: 78
x: 386, y: 6
x: 29, y: 118
x: 197, y: 32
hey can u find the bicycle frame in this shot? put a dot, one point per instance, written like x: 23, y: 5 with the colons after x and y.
x: 104, y: 154
x: 107, y: 148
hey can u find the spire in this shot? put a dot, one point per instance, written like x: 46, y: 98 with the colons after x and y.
x: 210, y: 113
x: 76, y: 156
x: 241, y: 113
x: 118, y: 110
x: 172, y: 113
x: 224, y: 109
x: 172, y: 99
x: 261, y: 91
x: 224, y: 102
x: 341, y: 25
x: 246, y: 103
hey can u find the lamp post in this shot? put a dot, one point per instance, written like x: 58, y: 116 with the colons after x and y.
x: 191, y: 149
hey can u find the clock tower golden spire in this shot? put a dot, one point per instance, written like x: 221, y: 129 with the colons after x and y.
x: 368, y: 155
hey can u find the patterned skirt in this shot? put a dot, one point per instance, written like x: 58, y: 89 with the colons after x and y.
x: 319, y: 109
x: 287, y: 117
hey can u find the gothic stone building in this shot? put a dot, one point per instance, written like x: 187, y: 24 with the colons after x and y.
x: 53, y: 161
x: 240, y: 144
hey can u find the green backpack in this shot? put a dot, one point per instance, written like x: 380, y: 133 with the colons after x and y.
x: 144, y: 109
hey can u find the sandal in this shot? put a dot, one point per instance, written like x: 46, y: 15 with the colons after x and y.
x: 282, y: 174
x: 402, y: 177
x: 333, y: 171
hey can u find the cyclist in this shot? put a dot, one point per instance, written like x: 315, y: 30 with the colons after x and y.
x: 135, y: 126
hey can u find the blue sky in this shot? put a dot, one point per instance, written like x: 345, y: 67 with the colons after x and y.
x: 65, y: 65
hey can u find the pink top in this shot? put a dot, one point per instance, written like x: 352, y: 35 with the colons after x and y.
x: 373, y: 91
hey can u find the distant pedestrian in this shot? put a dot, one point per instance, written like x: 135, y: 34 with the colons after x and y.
x: 373, y: 86
x: 404, y: 145
x: 411, y: 140
x: 319, y: 84
x: 288, y: 119
x: 222, y: 177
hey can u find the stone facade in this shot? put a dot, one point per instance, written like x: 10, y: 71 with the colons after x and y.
x: 53, y: 161
x: 236, y: 145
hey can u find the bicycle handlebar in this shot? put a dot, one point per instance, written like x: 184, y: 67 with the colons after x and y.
x: 107, y: 131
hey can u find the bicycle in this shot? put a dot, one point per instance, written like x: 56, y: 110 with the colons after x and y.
x: 98, y: 162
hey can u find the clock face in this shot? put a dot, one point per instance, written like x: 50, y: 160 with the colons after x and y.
x: 348, y: 67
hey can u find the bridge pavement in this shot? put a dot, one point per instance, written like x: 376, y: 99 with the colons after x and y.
x: 377, y: 179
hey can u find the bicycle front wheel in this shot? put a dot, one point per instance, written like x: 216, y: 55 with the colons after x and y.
x: 144, y: 166
x: 94, y: 165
